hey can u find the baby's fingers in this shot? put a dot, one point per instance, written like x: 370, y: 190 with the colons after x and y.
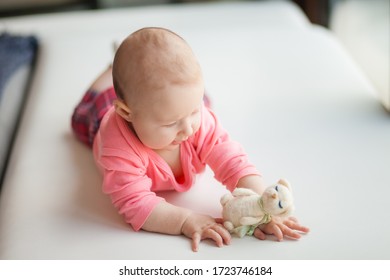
x: 195, y: 241
x: 290, y: 232
x: 259, y: 234
x: 223, y: 233
x: 277, y: 231
x: 293, y: 224
x: 217, y: 233
x: 210, y: 233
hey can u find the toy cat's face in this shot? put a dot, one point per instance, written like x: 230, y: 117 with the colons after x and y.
x: 278, y: 200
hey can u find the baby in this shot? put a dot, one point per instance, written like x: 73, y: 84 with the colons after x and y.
x: 151, y: 131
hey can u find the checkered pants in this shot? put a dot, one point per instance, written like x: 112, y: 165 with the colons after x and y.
x: 89, y: 113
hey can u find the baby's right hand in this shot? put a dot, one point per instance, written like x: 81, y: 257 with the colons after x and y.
x: 199, y: 227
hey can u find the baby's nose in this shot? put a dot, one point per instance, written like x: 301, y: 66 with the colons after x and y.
x: 187, y: 129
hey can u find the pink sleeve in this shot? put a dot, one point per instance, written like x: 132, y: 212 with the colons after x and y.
x: 225, y: 157
x: 125, y: 181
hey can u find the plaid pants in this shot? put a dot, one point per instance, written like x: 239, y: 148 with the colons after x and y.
x: 89, y: 113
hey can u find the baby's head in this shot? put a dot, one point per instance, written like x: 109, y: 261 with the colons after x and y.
x: 159, y: 85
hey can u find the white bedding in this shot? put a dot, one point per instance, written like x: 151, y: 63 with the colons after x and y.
x: 284, y: 88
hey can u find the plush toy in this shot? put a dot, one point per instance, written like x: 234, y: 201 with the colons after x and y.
x: 244, y: 210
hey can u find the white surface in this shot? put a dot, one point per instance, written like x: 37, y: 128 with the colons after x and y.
x: 285, y: 89
x: 364, y: 28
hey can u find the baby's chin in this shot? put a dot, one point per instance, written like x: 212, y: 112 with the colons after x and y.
x: 172, y: 146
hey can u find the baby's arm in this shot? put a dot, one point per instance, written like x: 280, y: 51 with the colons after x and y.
x: 252, y: 182
x: 169, y: 219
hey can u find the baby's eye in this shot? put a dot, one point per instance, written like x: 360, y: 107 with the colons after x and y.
x: 277, y: 188
x: 171, y: 124
x: 280, y: 204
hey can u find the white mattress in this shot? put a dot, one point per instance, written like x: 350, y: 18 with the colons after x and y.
x: 284, y: 88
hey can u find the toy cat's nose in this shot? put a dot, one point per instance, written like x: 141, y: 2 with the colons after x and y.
x: 273, y: 195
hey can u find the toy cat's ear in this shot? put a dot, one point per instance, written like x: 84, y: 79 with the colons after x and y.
x: 285, y: 183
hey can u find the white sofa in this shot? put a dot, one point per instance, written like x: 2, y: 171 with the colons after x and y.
x: 286, y: 89
x: 364, y: 29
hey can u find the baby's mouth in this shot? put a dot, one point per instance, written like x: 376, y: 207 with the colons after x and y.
x: 178, y: 142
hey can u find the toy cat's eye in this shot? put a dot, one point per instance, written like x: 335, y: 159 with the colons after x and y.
x: 280, y: 204
x: 276, y: 188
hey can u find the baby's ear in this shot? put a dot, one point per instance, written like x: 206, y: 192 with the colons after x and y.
x: 122, y: 110
x: 285, y: 183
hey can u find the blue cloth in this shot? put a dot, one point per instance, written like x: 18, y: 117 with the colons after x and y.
x: 15, y: 51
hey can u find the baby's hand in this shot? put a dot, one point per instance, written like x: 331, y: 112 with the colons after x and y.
x: 199, y: 227
x: 279, y: 227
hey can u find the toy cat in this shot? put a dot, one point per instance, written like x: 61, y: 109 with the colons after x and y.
x: 244, y: 210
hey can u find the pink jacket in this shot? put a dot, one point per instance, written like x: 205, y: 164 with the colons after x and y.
x: 132, y: 173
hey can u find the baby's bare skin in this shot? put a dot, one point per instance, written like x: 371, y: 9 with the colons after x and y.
x: 160, y: 88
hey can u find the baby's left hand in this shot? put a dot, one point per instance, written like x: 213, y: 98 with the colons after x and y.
x: 288, y: 227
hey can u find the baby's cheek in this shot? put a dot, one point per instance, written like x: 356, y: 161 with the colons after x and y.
x: 196, y: 126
